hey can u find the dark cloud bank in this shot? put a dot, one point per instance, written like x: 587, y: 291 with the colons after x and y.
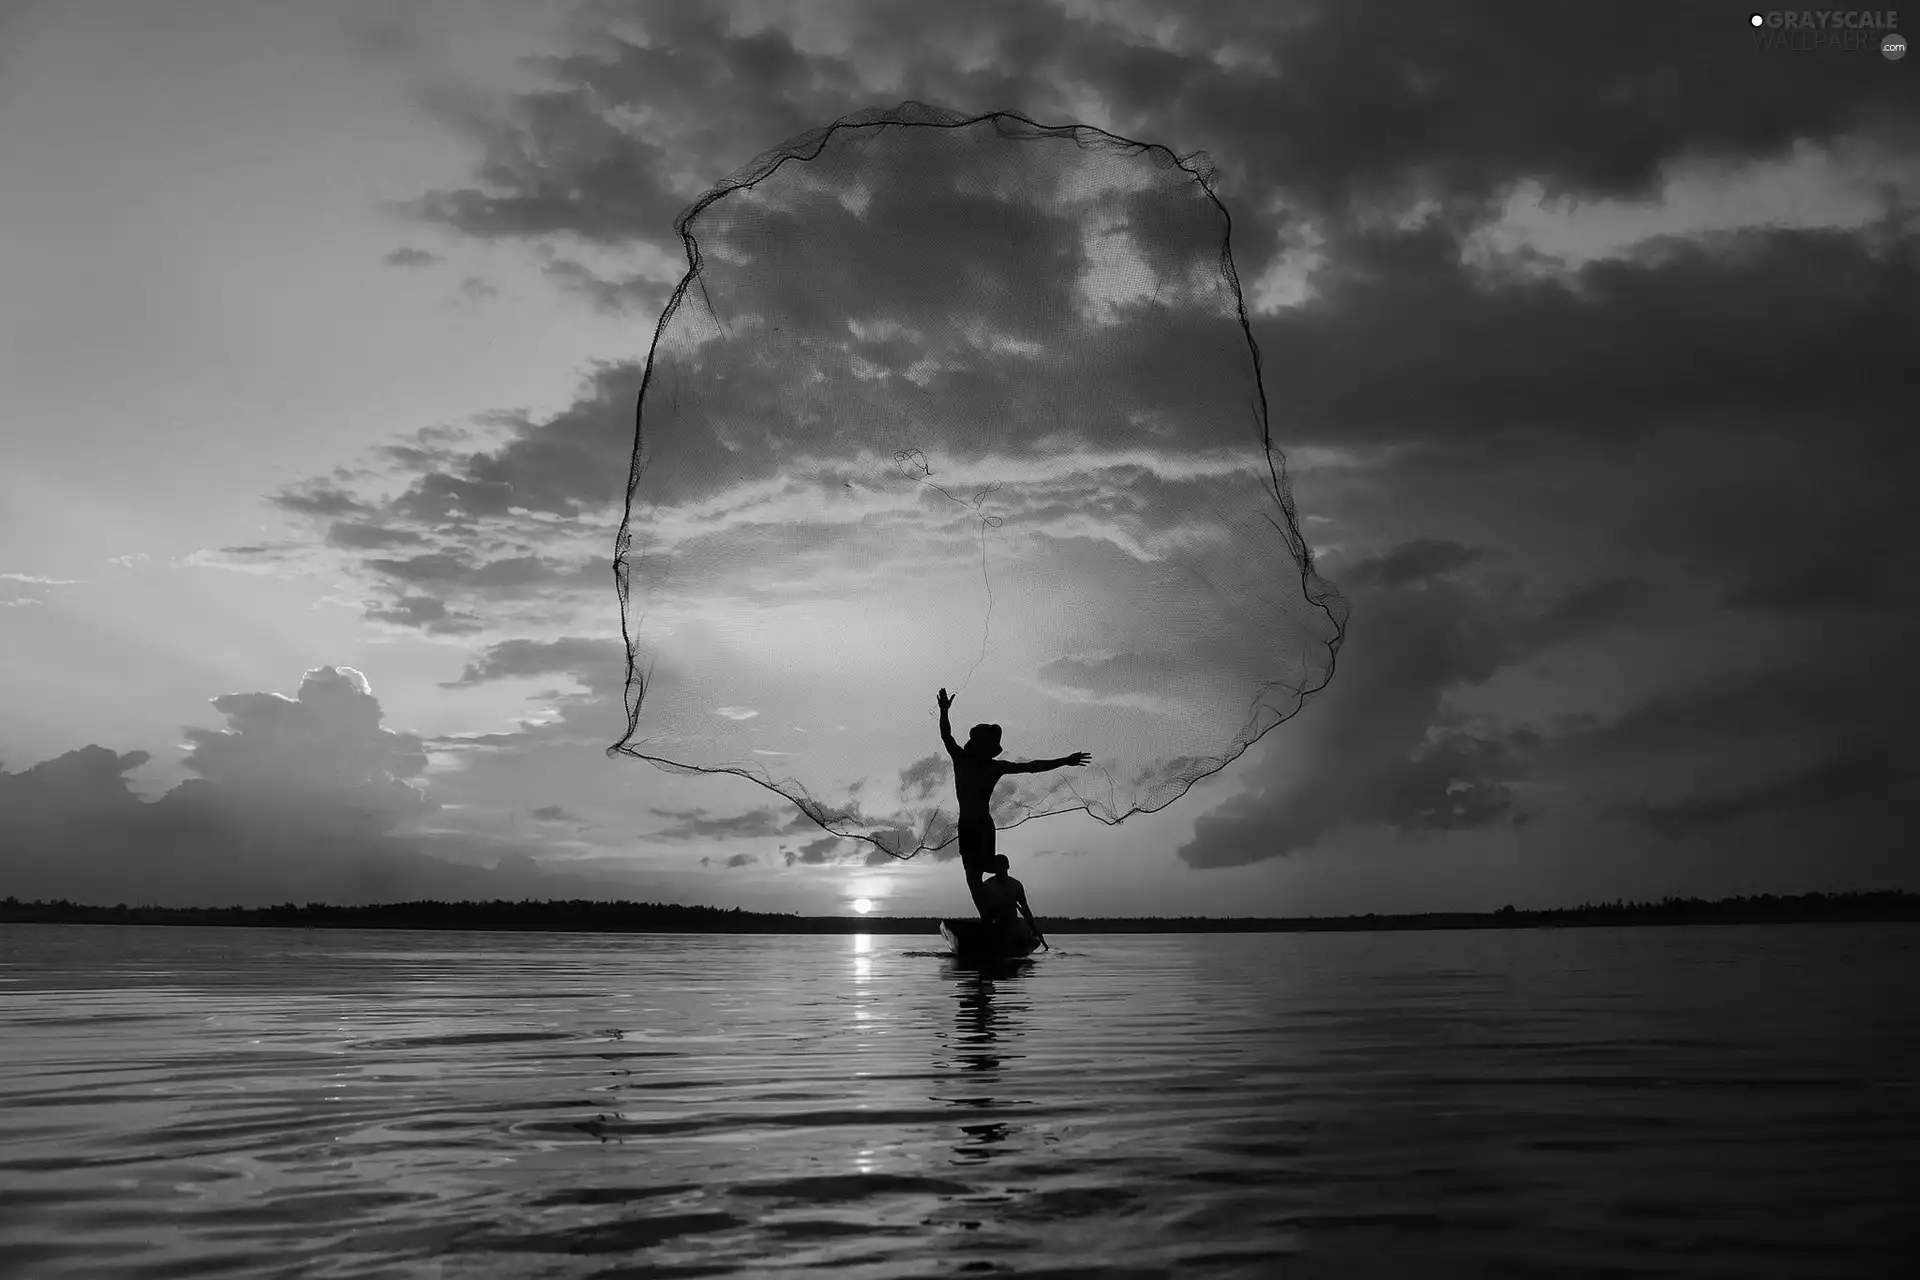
x: 297, y: 799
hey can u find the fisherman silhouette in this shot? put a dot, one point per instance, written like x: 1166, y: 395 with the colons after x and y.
x: 1006, y: 900
x: 976, y: 771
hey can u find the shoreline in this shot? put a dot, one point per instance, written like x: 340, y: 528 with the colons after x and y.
x: 588, y: 916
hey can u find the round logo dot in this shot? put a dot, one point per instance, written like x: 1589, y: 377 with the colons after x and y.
x: 1757, y: 20
x: 1893, y: 48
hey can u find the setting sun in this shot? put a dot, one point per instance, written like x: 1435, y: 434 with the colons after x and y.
x: 863, y: 905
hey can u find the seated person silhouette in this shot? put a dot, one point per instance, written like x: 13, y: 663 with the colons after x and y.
x: 976, y: 772
x: 1006, y: 900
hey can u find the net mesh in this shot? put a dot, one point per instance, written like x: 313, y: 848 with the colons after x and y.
x: 972, y: 402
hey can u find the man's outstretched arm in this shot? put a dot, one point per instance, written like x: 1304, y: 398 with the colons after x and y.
x: 1077, y: 759
x: 946, y: 728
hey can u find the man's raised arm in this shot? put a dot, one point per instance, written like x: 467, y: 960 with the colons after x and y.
x: 946, y: 728
x: 1077, y: 759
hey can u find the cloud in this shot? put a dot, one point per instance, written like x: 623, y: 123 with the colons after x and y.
x: 358, y: 537
x: 622, y: 294
x: 33, y: 580
x: 1314, y: 110
x: 1404, y: 337
x: 522, y: 864
x: 478, y: 289
x: 1781, y: 518
x: 301, y: 799
x: 426, y: 613
x: 91, y: 774
x: 696, y: 824
x: 1872, y: 776
x: 1112, y: 676
x: 1405, y: 341
x: 1592, y: 609
x: 742, y: 860
x: 555, y: 813
x: 551, y: 467
x: 1811, y: 733
x: 1382, y: 746
x: 553, y: 164
x: 262, y: 559
x: 451, y: 569
x: 129, y: 560
x: 410, y: 257
x: 1299, y: 103
x: 324, y: 748
x: 598, y: 664
x: 1701, y: 735
x: 923, y: 777
x: 822, y: 852
x: 567, y: 719
x: 1827, y: 577
x: 39, y: 581
x: 1361, y: 752
x: 318, y: 498
x: 1404, y: 333
x: 1411, y: 562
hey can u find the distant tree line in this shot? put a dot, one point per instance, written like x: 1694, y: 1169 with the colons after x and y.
x: 589, y: 916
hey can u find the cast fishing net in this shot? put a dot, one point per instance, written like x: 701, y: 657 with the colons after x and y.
x: 965, y: 402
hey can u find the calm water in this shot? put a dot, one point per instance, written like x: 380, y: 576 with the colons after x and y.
x: 1732, y: 1101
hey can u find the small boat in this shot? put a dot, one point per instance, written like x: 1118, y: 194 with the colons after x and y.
x: 978, y: 940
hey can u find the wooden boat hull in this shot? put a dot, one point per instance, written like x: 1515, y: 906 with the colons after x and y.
x: 977, y: 940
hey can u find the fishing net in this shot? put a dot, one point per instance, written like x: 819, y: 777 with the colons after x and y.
x: 965, y: 402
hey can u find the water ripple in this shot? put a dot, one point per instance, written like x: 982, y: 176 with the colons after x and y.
x: 354, y: 1105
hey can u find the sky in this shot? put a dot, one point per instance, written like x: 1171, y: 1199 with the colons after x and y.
x: 1587, y: 336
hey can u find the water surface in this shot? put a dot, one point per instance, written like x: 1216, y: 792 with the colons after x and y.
x: 1696, y: 1100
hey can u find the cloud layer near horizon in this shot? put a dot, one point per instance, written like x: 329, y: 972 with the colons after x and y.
x: 303, y: 798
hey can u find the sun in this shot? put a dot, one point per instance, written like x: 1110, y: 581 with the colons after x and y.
x: 863, y: 905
